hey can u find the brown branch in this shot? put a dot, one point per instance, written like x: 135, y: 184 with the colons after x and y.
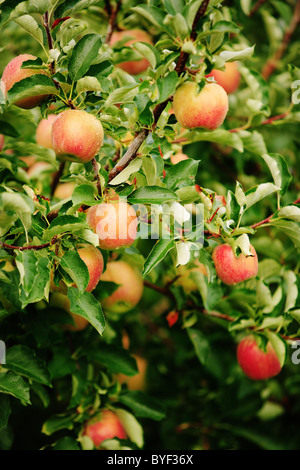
x: 162, y: 290
x: 263, y: 123
x: 112, y: 13
x: 142, y: 135
x: 97, y: 177
x: 49, y: 38
x: 257, y: 6
x: 272, y: 63
x: 57, y: 176
x: 32, y: 247
x: 267, y: 219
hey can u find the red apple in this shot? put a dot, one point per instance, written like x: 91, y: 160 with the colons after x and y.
x: 229, y: 78
x: 1, y: 142
x: 105, y: 425
x: 133, y: 67
x: 206, y: 109
x: 231, y: 269
x: 114, y: 222
x: 44, y: 130
x: 255, y: 362
x: 13, y: 74
x: 76, y: 136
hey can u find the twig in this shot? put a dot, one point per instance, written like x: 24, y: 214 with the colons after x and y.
x: 142, y: 135
x: 162, y: 290
x: 257, y: 6
x: 97, y: 177
x: 49, y: 38
x: 32, y: 247
x: 267, y: 220
x: 112, y: 13
x: 271, y: 64
x: 57, y: 176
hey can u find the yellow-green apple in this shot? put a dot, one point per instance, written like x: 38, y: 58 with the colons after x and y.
x: 130, y: 289
x: 233, y: 269
x: 64, y: 190
x: 105, y: 425
x: 206, y: 109
x: 13, y: 74
x: 62, y: 301
x: 76, y: 135
x: 114, y: 222
x: 133, y: 67
x: 229, y: 78
x: 257, y: 363
x: 178, y: 157
x: 1, y: 142
x: 44, y: 130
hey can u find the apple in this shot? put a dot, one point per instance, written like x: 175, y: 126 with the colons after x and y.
x: 233, y: 269
x: 114, y: 222
x: 206, y: 109
x: 36, y: 168
x: 256, y: 363
x: 44, y: 130
x: 13, y: 74
x: 64, y: 190
x: 184, y: 280
x: 178, y: 157
x: 77, y: 136
x: 30, y: 160
x: 133, y: 67
x: 1, y: 142
x: 105, y: 425
x: 137, y: 381
x: 61, y: 301
x: 229, y: 79
x: 130, y: 289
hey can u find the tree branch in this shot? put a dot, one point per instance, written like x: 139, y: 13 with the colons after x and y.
x: 112, y: 13
x: 32, y: 247
x: 97, y: 177
x: 257, y: 6
x: 57, y: 176
x: 267, y: 220
x: 142, y: 135
x: 49, y: 37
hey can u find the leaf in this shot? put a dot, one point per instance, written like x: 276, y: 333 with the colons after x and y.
x: 63, y: 224
x: 88, y: 84
x: 35, y: 276
x: 14, y: 385
x: 5, y: 411
x: 87, y: 307
x: 116, y: 359
x: 124, y: 94
x: 66, y: 443
x: 8, y: 129
x: 157, y: 254
x: 84, y: 194
x: 253, y: 141
x: 76, y: 269
x: 132, y: 427
x: 153, y: 14
x: 84, y: 53
x: 279, y: 345
x: 259, y: 192
x: 220, y: 136
x: 14, y: 8
x: 291, y: 229
x: 69, y: 7
x: 181, y: 172
x: 22, y: 360
x: 230, y: 56
x: 142, y: 405
x: 291, y: 290
x: 152, y: 195
x: 279, y: 170
x: 290, y: 212
x: 149, y: 52
x: 124, y: 175
x: 167, y: 86
x: 200, y: 343
x: 36, y: 85
x: 58, y: 422
x: 30, y: 25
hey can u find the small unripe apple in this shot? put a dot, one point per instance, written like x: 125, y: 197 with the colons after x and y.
x: 229, y: 78
x: 44, y: 130
x: 206, y: 109
x: 256, y: 363
x: 233, y: 269
x: 178, y: 157
x: 62, y: 301
x: 105, y: 425
x: 13, y: 74
x: 133, y: 67
x: 114, y: 222
x: 130, y: 289
x: 76, y: 136
x: 1, y: 142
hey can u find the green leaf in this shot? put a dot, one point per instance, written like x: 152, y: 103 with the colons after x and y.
x: 8, y: 129
x: 200, y: 343
x: 290, y: 212
x: 14, y: 385
x: 279, y: 170
x: 259, y: 192
x: 84, y: 53
x: 142, y: 405
x: 63, y: 224
x: 22, y: 360
x: 182, y: 171
x: 279, y: 345
x: 69, y: 29
x: 88, y: 307
x: 253, y: 141
x: 132, y: 427
x: 117, y: 360
x: 66, y: 443
x: 220, y: 136
x: 32, y: 27
x: 36, y: 85
x: 35, y: 276
x: 231, y: 56
x: 167, y: 86
x: 123, y: 176
x: 149, y: 52
x: 69, y: 7
x: 124, y: 94
x: 58, y: 422
x: 88, y: 84
x: 157, y: 254
x: 76, y: 269
x: 5, y: 411
x: 152, y: 195
x: 153, y: 14
x: 84, y: 194
x: 291, y: 229
x: 12, y: 9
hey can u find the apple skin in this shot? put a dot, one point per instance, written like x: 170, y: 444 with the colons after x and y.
x: 178, y: 157
x: 229, y: 78
x: 93, y: 259
x: 77, y: 136
x: 105, y: 425
x: 231, y: 269
x: 43, y: 131
x: 13, y: 74
x: 207, y: 109
x: 1, y: 142
x: 130, y: 290
x: 133, y: 67
x: 62, y: 301
x: 114, y: 222
x: 256, y: 363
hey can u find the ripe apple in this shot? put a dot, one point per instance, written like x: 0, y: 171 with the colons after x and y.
x: 231, y: 269
x: 105, y: 425
x: 1, y: 142
x: 229, y: 79
x: 256, y: 363
x: 130, y: 289
x: 178, y: 157
x: 137, y: 381
x: 133, y: 67
x: 114, y: 222
x: 62, y: 301
x: 43, y: 131
x: 13, y: 74
x: 206, y: 109
x: 76, y: 136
